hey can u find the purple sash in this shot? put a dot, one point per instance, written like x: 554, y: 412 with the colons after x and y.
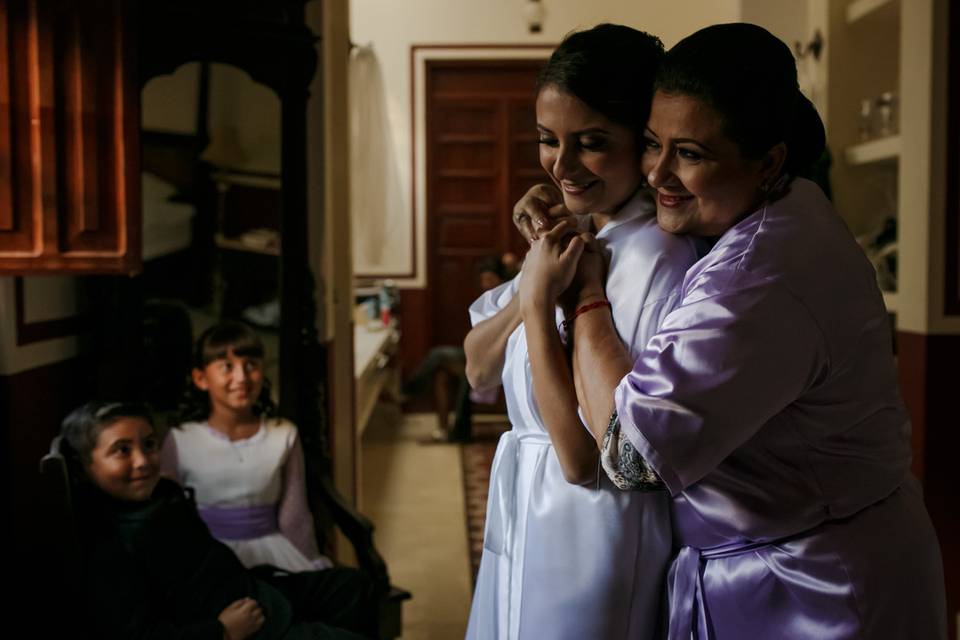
x: 240, y: 523
x: 821, y: 612
x: 686, y: 588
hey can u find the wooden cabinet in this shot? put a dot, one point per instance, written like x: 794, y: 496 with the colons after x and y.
x: 69, y: 123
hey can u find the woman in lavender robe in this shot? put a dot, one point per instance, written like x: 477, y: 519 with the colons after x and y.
x: 767, y: 403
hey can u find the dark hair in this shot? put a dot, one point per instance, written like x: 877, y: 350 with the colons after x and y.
x: 492, y: 264
x: 216, y: 343
x: 749, y: 77
x: 82, y: 427
x: 610, y: 68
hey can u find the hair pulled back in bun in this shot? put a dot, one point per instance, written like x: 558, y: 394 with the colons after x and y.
x: 610, y: 68
x: 749, y: 77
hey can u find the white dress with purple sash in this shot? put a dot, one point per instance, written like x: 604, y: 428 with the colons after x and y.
x: 562, y: 561
x: 250, y: 492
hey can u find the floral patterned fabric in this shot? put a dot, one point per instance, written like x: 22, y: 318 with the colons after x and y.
x: 623, y: 464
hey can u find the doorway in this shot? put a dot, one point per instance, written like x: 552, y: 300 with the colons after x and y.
x: 481, y: 156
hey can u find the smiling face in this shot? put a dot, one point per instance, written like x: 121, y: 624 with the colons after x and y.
x: 233, y: 382
x: 594, y: 161
x: 125, y: 463
x: 703, y: 182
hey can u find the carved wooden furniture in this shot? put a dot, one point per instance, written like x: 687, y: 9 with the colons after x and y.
x: 268, y: 40
x: 69, y: 155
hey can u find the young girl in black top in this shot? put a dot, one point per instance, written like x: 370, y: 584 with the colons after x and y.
x: 151, y: 567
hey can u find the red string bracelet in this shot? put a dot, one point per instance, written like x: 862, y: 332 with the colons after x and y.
x: 583, y: 309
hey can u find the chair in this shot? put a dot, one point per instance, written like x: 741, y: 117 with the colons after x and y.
x: 63, y: 559
x: 359, y: 531
x: 60, y: 563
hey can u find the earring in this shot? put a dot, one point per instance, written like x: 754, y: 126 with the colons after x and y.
x: 771, y: 187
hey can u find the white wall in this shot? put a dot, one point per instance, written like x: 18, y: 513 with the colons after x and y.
x: 168, y: 103
x: 45, y: 298
x: 786, y: 19
x: 237, y: 103
x: 391, y: 28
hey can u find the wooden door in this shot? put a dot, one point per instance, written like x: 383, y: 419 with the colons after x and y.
x: 481, y: 157
x: 69, y: 158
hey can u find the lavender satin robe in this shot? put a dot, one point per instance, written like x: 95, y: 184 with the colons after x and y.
x: 768, y: 404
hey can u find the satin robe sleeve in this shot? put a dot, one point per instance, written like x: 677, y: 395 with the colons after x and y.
x: 654, y: 313
x: 730, y: 358
x: 492, y: 301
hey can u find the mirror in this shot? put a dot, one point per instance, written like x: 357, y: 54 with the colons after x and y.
x: 211, y: 193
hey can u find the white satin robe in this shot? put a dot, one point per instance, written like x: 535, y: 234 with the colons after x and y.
x: 564, y: 561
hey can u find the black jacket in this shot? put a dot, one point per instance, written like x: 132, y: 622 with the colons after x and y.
x: 152, y: 570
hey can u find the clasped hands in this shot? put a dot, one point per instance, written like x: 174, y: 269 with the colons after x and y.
x: 564, y: 266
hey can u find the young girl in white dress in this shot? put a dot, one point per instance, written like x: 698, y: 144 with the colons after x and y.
x: 557, y: 531
x: 245, y: 465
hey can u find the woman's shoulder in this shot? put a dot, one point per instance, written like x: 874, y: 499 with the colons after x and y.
x: 188, y: 429
x: 280, y: 428
x: 280, y: 424
x: 799, y: 236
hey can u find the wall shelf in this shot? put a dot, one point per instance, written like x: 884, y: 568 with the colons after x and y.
x: 860, y: 8
x: 880, y: 150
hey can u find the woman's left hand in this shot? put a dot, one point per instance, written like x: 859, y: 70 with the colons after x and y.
x: 538, y: 211
x: 549, y: 266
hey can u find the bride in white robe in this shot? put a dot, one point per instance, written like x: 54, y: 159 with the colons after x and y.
x: 553, y: 554
x: 567, y: 555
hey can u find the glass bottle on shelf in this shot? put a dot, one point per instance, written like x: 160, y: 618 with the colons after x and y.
x: 865, y: 120
x: 886, y: 104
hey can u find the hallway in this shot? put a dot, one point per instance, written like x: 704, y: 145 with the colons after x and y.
x: 414, y: 494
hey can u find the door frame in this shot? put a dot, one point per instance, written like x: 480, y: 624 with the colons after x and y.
x: 420, y: 55
x: 416, y: 296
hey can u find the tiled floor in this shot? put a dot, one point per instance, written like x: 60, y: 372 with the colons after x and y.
x: 414, y: 495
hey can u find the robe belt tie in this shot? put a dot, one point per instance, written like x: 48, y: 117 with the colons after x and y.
x: 502, y: 508
x: 686, y: 586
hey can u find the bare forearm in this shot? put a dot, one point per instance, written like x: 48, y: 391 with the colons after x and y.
x: 600, y: 361
x: 486, y: 345
x: 556, y: 397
